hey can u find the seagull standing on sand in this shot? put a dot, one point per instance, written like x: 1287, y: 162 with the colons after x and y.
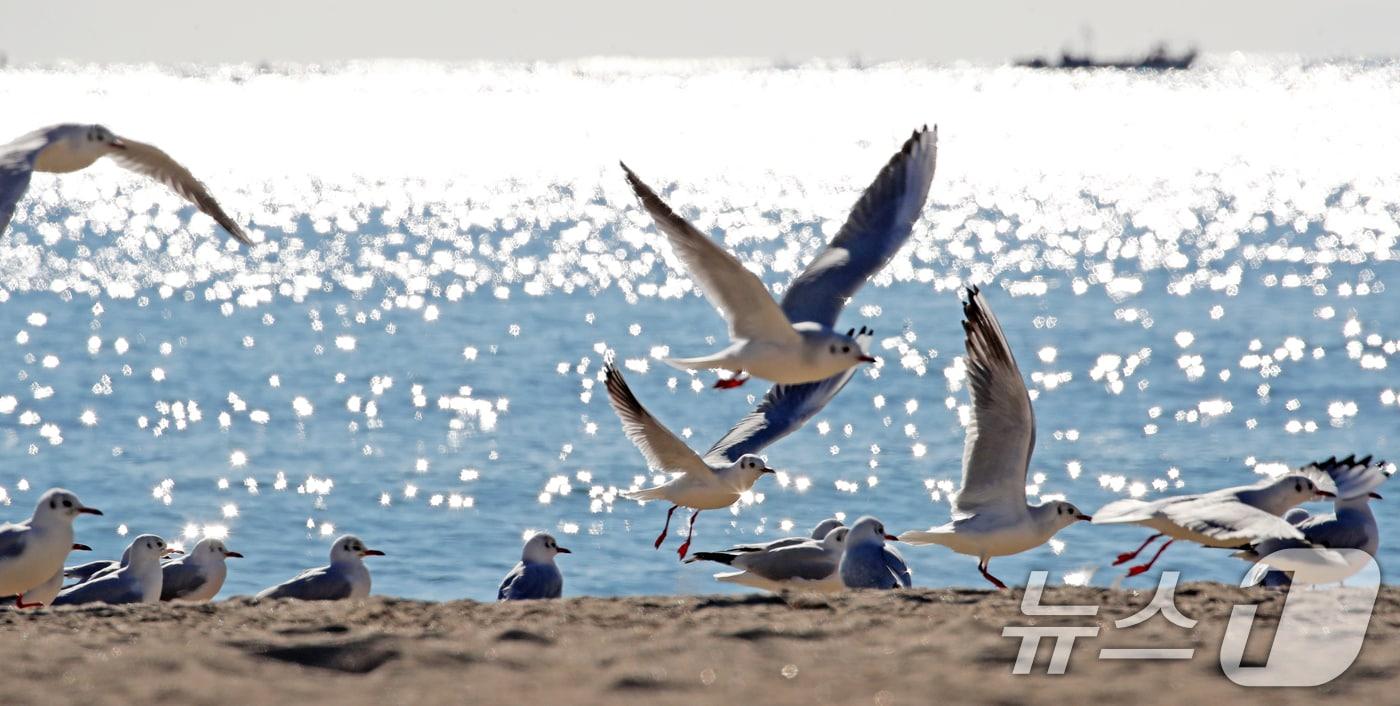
x: 345, y: 577
x: 94, y: 569
x: 197, y: 576
x: 71, y: 147
x: 1351, y: 525
x: 44, y: 593
x: 138, y: 581
x: 1230, y: 517
x: 32, y: 551
x: 865, y: 563
x: 536, y: 576
x: 796, y: 342
x: 803, y: 565
x: 990, y: 513
x: 700, y: 486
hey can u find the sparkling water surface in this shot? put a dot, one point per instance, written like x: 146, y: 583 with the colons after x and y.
x: 1191, y: 267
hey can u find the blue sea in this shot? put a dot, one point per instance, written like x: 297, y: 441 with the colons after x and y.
x: 1193, y: 269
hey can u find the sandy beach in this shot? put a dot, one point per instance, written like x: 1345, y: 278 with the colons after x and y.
x: 910, y: 647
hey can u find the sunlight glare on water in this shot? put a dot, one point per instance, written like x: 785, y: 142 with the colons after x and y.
x: 1192, y: 268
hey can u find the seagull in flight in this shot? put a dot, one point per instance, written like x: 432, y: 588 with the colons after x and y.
x: 990, y: 513
x: 71, y: 147
x: 795, y: 341
x: 700, y: 485
x: 1228, y: 518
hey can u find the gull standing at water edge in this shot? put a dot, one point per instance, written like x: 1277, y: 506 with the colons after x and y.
x: 32, y: 551
x: 345, y: 577
x: 700, y: 486
x: 138, y: 581
x: 197, y: 577
x: 796, y: 342
x: 536, y: 576
x: 990, y: 513
x: 1230, y: 517
x: 71, y: 147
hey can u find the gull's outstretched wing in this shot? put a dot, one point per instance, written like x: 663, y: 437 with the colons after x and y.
x: 1001, y: 434
x: 16, y: 167
x: 783, y: 411
x: 1228, y: 520
x: 738, y: 293
x: 663, y: 450
x: 878, y: 226
x: 150, y: 161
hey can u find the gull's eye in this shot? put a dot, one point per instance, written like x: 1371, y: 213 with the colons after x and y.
x: 845, y: 349
x: 68, y: 503
x: 833, y: 348
x: 1298, y: 487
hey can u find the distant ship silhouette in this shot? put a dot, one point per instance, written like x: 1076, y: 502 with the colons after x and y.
x: 1157, y: 60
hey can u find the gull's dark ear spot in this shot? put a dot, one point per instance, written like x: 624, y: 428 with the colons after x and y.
x: 53, y: 504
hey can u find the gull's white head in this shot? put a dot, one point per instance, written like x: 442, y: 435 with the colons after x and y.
x: 210, y: 550
x: 1292, y: 489
x: 99, y: 137
x: 836, y: 539
x: 147, y: 549
x: 541, y: 549
x: 1060, y: 514
x: 751, y: 468
x: 350, y: 549
x: 59, y: 505
x: 868, y: 530
x: 833, y: 349
x: 825, y: 527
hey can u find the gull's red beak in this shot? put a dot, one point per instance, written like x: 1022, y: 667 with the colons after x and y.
x: 371, y: 552
x: 562, y: 550
x: 866, y: 359
x: 1082, y: 516
x: 1326, y: 494
x: 1376, y: 496
x: 81, y: 547
x: 892, y: 538
x: 89, y: 511
x: 117, y: 143
x: 232, y: 555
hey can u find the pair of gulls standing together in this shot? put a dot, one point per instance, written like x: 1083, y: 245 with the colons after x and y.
x: 794, y: 343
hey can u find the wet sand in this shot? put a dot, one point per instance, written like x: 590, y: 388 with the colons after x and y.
x: 909, y: 647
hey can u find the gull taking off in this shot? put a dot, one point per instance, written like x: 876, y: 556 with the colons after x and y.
x: 137, y: 581
x: 1351, y: 525
x: 32, y: 551
x: 1230, y: 517
x: 804, y: 565
x: 700, y: 486
x: 69, y: 148
x: 536, y: 576
x: 990, y: 513
x: 796, y: 342
x: 197, y: 577
x: 346, y: 577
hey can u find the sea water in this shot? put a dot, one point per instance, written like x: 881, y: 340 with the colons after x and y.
x: 1193, y: 269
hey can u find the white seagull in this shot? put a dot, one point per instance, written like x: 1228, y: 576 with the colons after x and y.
x: 818, y: 533
x: 867, y: 562
x: 71, y: 147
x: 700, y: 486
x: 32, y: 551
x: 1230, y: 517
x: 197, y: 576
x: 805, y: 565
x: 1351, y: 525
x: 796, y: 342
x: 44, y: 593
x: 536, y: 576
x: 138, y: 581
x: 990, y: 513
x: 345, y: 577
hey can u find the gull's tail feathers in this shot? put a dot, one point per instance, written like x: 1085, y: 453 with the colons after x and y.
x: 937, y: 535
x: 704, y: 362
x: 652, y: 493
x: 720, y: 557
